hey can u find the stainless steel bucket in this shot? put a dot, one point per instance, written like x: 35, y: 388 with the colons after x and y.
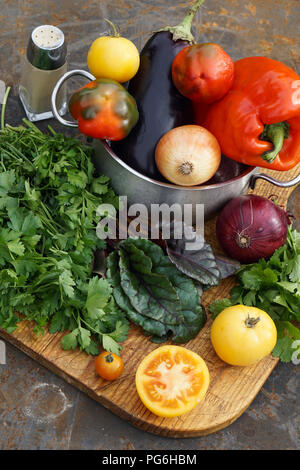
x: 143, y: 190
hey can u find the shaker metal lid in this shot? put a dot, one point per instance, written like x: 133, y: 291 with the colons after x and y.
x: 47, y: 48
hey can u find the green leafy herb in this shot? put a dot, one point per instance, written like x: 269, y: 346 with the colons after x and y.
x: 48, y: 202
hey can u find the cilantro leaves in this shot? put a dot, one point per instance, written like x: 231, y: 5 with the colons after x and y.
x: 48, y: 202
x: 273, y: 286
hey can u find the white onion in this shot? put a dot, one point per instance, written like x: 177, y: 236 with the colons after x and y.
x: 188, y: 155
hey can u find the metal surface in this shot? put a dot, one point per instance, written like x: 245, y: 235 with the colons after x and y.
x: 44, y: 64
x: 47, y: 48
x: 55, y: 92
x: 143, y: 190
x: 41, y: 411
x: 270, y: 179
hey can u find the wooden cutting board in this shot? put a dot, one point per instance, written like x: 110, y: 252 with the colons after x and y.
x: 231, y: 389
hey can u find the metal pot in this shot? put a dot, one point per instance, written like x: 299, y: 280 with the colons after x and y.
x: 143, y: 190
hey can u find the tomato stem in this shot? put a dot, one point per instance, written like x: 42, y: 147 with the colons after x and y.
x: 116, y: 32
x: 250, y: 322
x: 109, y: 358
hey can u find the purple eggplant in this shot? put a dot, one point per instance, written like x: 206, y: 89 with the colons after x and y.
x: 161, y: 106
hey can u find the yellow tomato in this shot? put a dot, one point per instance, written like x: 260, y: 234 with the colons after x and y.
x: 113, y: 57
x: 243, y: 335
x: 172, y: 380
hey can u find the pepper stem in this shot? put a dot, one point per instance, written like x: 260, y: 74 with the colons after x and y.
x: 183, y: 30
x: 275, y: 133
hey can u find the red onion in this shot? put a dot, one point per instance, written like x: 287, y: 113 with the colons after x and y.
x: 251, y: 227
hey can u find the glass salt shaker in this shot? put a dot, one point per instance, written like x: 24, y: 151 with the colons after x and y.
x: 44, y: 64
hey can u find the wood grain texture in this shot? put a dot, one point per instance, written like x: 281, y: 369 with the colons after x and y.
x: 231, y: 389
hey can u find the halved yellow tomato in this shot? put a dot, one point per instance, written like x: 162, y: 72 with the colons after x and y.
x: 172, y: 380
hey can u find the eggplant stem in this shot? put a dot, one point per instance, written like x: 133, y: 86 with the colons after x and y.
x: 182, y: 31
x: 186, y: 23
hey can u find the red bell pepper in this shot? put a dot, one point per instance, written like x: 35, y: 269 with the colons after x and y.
x: 258, y: 121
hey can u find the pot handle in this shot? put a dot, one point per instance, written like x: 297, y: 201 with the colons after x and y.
x: 270, y: 179
x: 56, y: 89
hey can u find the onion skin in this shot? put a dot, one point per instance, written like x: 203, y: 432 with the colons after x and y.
x: 251, y: 227
x: 188, y: 155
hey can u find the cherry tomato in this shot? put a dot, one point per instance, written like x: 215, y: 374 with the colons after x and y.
x: 113, y: 57
x: 243, y: 335
x: 172, y: 380
x: 109, y: 366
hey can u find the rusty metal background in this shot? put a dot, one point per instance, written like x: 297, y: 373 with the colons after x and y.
x: 39, y: 410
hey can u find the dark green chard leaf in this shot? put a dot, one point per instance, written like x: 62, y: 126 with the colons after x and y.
x: 150, y: 326
x: 227, y: 266
x: 193, y: 316
x: 138, y: 258
x: 193, y: 313
x: 152, y: 295
x: 199, y: 264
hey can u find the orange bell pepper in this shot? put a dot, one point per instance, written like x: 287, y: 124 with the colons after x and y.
x: 258, y: 120
x: 104, y: 110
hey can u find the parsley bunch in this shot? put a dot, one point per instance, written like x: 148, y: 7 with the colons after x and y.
x: 48, y: 203
x: 273, y: 286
